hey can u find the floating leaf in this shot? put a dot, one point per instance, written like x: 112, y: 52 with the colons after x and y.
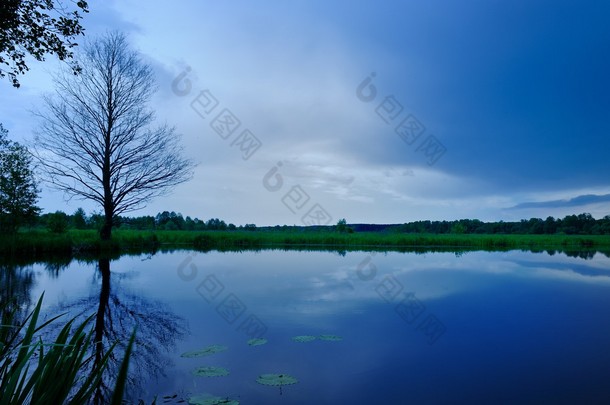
x: 276, y: 379
x: 330, y: 338
x: 211, y: 372
x: 257, y: 342
x: 206, y: 351
x: 207, y: 399
x: 304, y: 338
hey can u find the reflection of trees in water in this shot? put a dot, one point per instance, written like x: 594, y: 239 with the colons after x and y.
x: 583, y: 254
x: 16, y: 281
x: 117, y: 313
x: 56, y: 266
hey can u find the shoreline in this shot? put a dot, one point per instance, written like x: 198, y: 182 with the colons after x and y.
x: 85, y: 243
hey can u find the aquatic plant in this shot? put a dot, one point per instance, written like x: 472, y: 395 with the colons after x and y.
x: 257, y: 342
x: 211, y: 371
x: 304, y: 338
x: 207, y: 399
x: 330, y: 338
x: 206, y: 351
x: 276, y: 380
x: 35, y: 372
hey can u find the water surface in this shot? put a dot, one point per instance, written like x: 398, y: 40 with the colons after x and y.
x: 476, y: 327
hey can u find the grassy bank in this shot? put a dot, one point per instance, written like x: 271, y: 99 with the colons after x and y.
x: 35, y: 243
x: 74, y: 241
x: 371, y: 239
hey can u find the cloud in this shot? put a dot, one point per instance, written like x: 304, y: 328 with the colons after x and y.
x: 580, y: 201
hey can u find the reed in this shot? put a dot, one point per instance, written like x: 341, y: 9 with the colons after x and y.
x: 35, y: 372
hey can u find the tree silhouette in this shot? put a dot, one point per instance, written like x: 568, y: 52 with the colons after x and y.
x: 37, y: 28
x: 96, y: 139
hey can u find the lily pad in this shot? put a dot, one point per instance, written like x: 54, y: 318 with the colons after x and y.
x: 211, y: 371
x: 304, y: 338
x: 276, y: 380
x: 330, y: 338
x: 207, y: 399
x: 206, y: 351
x: 257, y: 342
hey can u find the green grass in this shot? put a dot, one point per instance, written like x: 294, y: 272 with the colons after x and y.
x: 399, y: 242
x: 82, y: 242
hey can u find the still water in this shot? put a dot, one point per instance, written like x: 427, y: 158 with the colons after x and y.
x: 478, y: 327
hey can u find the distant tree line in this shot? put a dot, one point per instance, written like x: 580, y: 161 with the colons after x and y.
x: 59, y: 222
x: 582, y: 224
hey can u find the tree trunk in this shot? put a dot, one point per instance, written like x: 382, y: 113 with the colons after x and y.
x: 106, y: 231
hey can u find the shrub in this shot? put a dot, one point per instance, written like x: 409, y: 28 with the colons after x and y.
x: 57, y: 222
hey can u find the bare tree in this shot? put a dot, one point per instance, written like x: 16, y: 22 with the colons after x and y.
x: 96, y: 139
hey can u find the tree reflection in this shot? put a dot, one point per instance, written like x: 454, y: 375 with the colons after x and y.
x: 16, y: 282
x: 583, y: 254
x: 56, y: 266
x: 117, y: 313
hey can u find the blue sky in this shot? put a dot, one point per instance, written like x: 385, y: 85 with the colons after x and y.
x: 516, y: 93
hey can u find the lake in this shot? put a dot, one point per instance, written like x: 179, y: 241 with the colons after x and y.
x: 370, y: 327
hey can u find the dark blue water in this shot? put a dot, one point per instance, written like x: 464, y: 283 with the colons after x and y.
x: 482, y: 327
